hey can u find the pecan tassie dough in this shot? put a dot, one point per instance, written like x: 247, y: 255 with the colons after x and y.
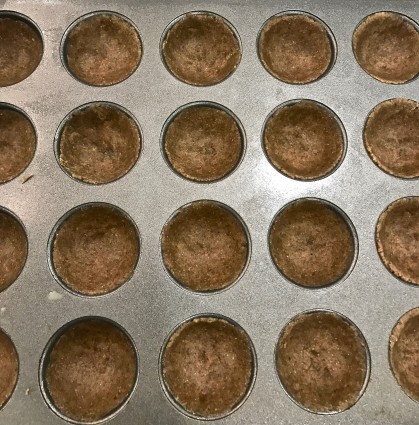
x: 311, y: 243
x: 21, y: 49
x: 207, y: 366
x: 304, y: 140
x: 386, y: 46
x: 201, y: 49
x: 295, y: 48
x: 95, y: 250
x: 322, y: 361
x: 205, y: 247
x: 91, y: 370
x: 102, y: 49
x: 203, y: 143
x: 99, y: 144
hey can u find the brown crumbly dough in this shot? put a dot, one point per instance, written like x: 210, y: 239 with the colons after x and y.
x: 295, y: 48
x: 99, y: 144
x: 201, y: 49
x: 397, y: 239
x: 303, y: 140
x: 386, y: 46
x: 203, y: 143
x: 95, y: 250
x: 102, y: 50
x: 91, y: 370
x: 208, y: 366
x: 13, y: 249
x: 9, y: 368
x: 17, y: 143
x: 204, y: 247
x: 322, y: 361
x: 21, y: 50
x: 391, y: 137
x: 311, y: 244
x: 404, y: 353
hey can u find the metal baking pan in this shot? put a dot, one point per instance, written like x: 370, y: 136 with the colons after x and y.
x: 150, y: 304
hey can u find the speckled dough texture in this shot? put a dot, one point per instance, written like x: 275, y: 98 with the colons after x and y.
x: 91, y: 371
x: 102, y: 50
x: 13, y: 249
x: 311, y: 243
x: 386, y: 46
x: 203, y: 143
x: 303, y: 140
x: 391, y: 137
x: 208, y: 366
x: 99, y: 144
x: 9, y: 368
x: 322, y: 362
x: 21, y: 50
x: 201, y: 49
x: 17, y: 143
x: 204, y: 246
x: 295, y: 48
x: 95, y: 250
x: 397, y: 239
x: 404, y: 353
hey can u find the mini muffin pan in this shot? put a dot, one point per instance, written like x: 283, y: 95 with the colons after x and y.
x: 150, y: 304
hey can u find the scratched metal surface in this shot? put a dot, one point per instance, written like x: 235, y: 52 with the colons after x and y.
x: 150, y: 304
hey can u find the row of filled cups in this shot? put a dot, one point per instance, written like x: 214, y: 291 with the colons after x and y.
x: 90, y: 367
x: 205, y: 245
x: 202, y: 48
x: 204, y: 142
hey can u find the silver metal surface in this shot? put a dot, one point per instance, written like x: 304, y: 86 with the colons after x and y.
x: 150, y: 305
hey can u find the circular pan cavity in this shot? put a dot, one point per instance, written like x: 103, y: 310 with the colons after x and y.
x: 304, y: 139
x: 21, y: 47
x: 88, y: 370
x: 9, y: 368
x: 391, y: 137
x: 296, y: 47
x: 386, y: 46
x: 18, y: 141
x: 404, y: 353
x: 208, y: 366
x: 94, y: 249
x: 200, y: 48
x: 396, y: 236
x: 13, y: 248
x: 313, y: 243
x: 98, y: 143
x: 101, y: 48
x: 322, y: 361
x: 205, y: 246
x: 203, y: 142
